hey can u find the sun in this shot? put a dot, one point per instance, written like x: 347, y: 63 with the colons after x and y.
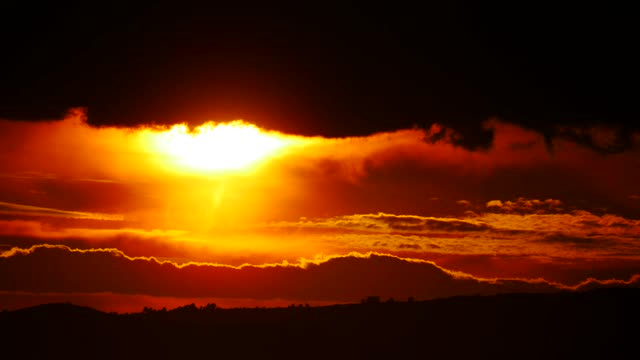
x: 216, y: 147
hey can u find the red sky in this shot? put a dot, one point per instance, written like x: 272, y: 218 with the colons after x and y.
x: 119, y: 218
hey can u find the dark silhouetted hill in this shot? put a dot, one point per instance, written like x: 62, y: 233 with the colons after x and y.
x: 595, y: 324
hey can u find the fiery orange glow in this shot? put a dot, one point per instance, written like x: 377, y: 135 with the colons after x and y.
x: 233, y: 194
x: 215, y: 147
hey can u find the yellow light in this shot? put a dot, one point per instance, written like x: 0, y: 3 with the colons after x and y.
x: 218, y: 147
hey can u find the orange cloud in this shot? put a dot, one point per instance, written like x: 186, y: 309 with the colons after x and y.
x: 486, y: 233
x: 529, y: 243
x: 18, y: 209
x: 158, y: 193
x: 132, y: 172
x: 523, y: 205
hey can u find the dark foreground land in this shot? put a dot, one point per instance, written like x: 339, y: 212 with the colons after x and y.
x: 596, y: 324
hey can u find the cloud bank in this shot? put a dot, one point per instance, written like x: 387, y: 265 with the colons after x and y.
x: 526, y: 207
x: 55, y: 269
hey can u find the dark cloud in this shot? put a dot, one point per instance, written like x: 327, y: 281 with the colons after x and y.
x: 350, y: 278
x: 529, y: 240
x: 56, y: 269
x: 396, y: 172
x: 587, y: 242
x: 409, y: 246
x: 602, y: 138
x: 527, y: 206
x: 418, y: 223
x: 326, y: 69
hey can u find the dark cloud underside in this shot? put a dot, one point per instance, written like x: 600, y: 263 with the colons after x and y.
x: 55, y: 269
x: 331, y: 70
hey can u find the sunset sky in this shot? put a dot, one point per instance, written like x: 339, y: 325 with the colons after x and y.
x: 268, y: 156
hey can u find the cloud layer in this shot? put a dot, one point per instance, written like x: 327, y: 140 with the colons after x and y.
x: 56, y: 269
x: 526, y: 207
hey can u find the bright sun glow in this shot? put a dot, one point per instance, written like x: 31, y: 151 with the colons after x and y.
x: 218, y: 147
